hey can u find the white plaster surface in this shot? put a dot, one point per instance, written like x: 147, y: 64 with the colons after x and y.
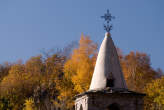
x: 107, y: 62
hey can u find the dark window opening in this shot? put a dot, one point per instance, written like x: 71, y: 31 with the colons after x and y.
x: 113, y: 106
x: 110, y: 82
x: 81, y: 107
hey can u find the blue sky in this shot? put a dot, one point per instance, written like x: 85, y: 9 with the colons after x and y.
x: 29, y: 26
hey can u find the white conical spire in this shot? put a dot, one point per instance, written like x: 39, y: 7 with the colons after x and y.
x: 107, y: 66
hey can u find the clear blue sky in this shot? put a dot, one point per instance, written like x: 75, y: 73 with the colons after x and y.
x: 29, y: 26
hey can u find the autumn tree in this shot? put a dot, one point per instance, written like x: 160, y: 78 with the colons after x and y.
x: 77, y: 71
x: 46, y: 93
x: 64, y: 99
x: 13, y: 85
x: 19, y: 84
x: 52, y: 81
x: 155, y: 95
x: 81, y: 64
x: 4, y: 70
x: 35, y: 66
x: 137, y: 70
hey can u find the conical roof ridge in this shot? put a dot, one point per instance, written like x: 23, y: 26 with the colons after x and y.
x: 107, y: 67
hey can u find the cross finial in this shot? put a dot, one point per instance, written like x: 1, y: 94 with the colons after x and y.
x: 108, y: 17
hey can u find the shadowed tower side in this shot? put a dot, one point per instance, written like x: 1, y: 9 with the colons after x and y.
x: 107, y: 72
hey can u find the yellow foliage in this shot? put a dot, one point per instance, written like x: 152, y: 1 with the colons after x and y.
x: 14, y: 79
x: 66, y: 94
x: 34, y: 65
x: 29, y: 104
x: 155, y: 93
x: 79, y: 67
x: 77, y: 72
x: 18, y: 85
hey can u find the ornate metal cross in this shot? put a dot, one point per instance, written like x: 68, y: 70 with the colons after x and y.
x: 108, y: 17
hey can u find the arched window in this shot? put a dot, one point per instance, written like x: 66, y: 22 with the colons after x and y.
x: 81, y: 107
x: 113, y: 106
x: 110, y: 80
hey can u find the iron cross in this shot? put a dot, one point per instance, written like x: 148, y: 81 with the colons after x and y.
x: 108, y: 17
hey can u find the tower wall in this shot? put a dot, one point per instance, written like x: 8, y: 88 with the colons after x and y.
x: 103, y: 101
x: 81, y: 102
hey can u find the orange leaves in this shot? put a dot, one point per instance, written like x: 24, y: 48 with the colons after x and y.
x: 62, y: 78
x: 77, y: 71
x: 79, y: 67
x: 137, y: 70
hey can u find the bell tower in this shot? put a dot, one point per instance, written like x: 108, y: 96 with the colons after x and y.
x: 108, y: 90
